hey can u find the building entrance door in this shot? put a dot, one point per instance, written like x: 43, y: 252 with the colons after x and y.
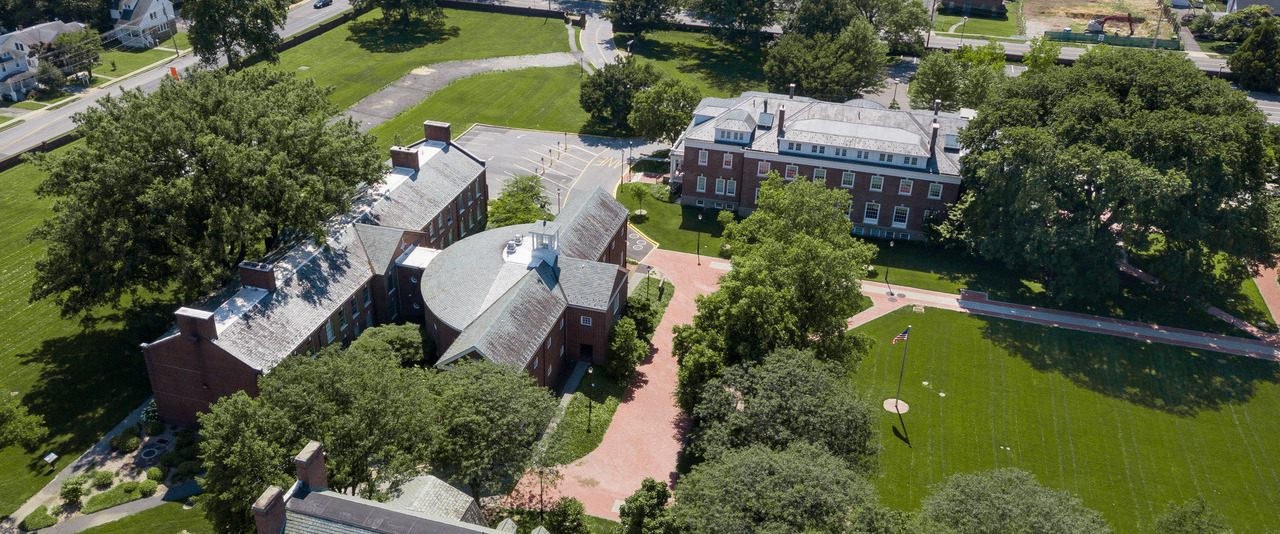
x: 586, y: 353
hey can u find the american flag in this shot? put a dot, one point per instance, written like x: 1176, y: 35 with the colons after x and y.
x: 901, y: 337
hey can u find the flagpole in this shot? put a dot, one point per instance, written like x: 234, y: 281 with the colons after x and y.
x: 906, y: 343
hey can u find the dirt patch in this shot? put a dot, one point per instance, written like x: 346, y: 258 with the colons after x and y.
x: 1054, y: 15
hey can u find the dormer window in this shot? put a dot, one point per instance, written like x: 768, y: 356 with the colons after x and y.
x: 817, y: 149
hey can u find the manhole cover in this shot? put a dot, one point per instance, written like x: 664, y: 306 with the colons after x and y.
x: 148, y: 454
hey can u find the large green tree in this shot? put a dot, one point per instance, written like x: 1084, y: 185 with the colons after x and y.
x: 939, y: 77
x: 645, y: 511
x: 736, y: 20
x: 832, y: 67
x: 663, y: 111
x: 403, y: 343
x: 404, y: 10
x: 982, y: 73
x: 639, y: 16
x: 78, y: 51
x: 609, y: 92
x: 19, y: 427
x: 234, y: 28
x: 801, y: 489
x: 902, y: 23
x: 488, y: 418
x: 790, y: 397
x: 1191, y: 517
x: 523, y: 200
x: 1005, y: 501
x: 1042, y: 55
x: 1126, y: 147
x: 1257, y: 61
x: 247, y: 446
x: 226, y: 164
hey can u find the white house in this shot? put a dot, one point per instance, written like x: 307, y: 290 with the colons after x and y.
x: 142, y: 23
x: 18, y: 63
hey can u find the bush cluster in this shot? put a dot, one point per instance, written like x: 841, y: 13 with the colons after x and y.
x: 128, y: 440
x: 148, y: 487
x: 155, y: 428
x: 155, y: 473
x: 102, y: 479
x: 129, y: 486
x: 645, y: 314
x: 71, y: 490
x: 38, y: 519
x: 626, y: 350
x: 190, y: 467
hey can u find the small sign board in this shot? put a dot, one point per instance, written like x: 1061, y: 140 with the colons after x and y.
x: 50, y: 458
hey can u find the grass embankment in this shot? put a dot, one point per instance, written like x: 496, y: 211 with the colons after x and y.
x: 715, y: 68
x: 366, y: 54
x: 981, y: 25
x: 1126, y: 426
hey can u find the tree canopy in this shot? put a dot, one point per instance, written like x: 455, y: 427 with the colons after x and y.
x: 639, y: 16
x: 661, y: 112
x: 644, y: 512
x: 403, y: 343
x: 247, y: 446
x: 78, y: 51
x: 609, y: 92
x: 226, y: 165
x: 832, y: 67
x: 522, y: 201
x: 1005, y: 501
x: 17, y: 426
x: 939, y: 77
x: 404, y: 10
x: 1191, y: 517
x: 1257, y: 61
x: 736, y: 20
x: 234, y: 28
x: 1126, y: 147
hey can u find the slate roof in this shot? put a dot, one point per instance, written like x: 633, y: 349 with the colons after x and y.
x: 381, y: 245
x: 511, y: 330
x: 326, y: 512
x: 736, y: 119
x: 465, y: 277
x: 412, y: 204
x: 588, y: 284
x: 589, y: 225
x: 436, y: 498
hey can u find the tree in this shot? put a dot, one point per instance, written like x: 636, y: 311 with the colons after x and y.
x: 71, y: 490
x: 637, y: 194
x: 1202, y: 25
x: 736, y: 20
x: 567, y: 517
x: 828, y: 67
x: 906, y: 27
x: 1042, y: 55
x: 1257, y: 61
x: 1008, y: 501
x: 982, y: 73
x: 226, y: 165
x: 488, y: 418
x: 938, y: 77
x: 522, y: 201
x: 17, y: 427
x: 626, y: 349
x: 661, y: 112
x: 812, y: 17
x: 1127, y: 146
x: 610, y: 91
x: 1237, y: 26
x: 234, y: 28
x: 247, y: 447
x: 402, y: 343
x: 642, y: 309
x: 789, y: 209
x: 77, y: 51
x: 404, y: 10
x: 791, y: 397
x: 801, y: 489
x: 1191, y: 517
x: 374, y: 417
x: 50, y: 76
x: 639, y: 16
x: 645, y: 511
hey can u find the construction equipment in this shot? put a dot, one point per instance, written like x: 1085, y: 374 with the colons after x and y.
x: 1099, y: 25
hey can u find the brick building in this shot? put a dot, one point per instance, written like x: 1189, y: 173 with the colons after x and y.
x: 308, y: 296
x: 899, y: 167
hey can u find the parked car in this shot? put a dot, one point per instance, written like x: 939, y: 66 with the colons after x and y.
x: 322, y: 3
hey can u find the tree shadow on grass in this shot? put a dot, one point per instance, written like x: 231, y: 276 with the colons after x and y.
x: 723, y: 67
x: 91, y: 380
x: 387, y: 36
x: 1160, y: 377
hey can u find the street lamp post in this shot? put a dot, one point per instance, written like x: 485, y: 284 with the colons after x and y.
x: 698, y: 249
x: 591, y: 378
x: 962, y: 27
x: 887, y: 260
x: 933, y: 16
x: 557, y: 201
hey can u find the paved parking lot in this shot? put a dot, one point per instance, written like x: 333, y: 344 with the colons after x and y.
x: 569, y: 164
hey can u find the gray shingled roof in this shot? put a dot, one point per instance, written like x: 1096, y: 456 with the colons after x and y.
x: 40, y: 33
x: 436, y: 498
x: 381, y: 244
x: 268, y: 332
x: 510, y: 331
x: 589, y: 225
x: 463, y: 277
x: 588, y: 284
x: 414, y: 203
x: 326, y: 512
x: 736, y: 119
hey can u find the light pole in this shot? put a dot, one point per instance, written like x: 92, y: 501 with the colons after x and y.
x: 933, y: 17
x: 558, y: 201
x: 962, y: 27
x: 591, y: 378
x: 698, y: 249
x: 887, y: 260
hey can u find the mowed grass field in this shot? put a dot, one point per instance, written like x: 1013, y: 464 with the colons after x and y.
x: 1126, y: 426
x: 83, y: 380
x: 365, y: 55
x: 171, y: 517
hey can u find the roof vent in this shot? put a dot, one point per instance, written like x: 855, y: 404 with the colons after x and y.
x: 519, y: 239
x: 511, y: 247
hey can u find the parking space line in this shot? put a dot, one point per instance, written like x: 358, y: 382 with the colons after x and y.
x: 579, y: 178
x: 523, y: 169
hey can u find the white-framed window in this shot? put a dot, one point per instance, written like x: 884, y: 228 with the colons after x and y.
x: 739, y: 136
x: 882, y: 156
x: 562, y: 323
x: 702, y: 184
x: 355, y: 309
x: 871, y: 214
x: 731, y: 187
x: 912, y: 161
x: 342, y: 319
x: 935, y: 191
x: 719, y: 186
x: 889, y: 158
x: 328, y: 331
x: 900, y: 216
x: 728, y: 161
x: 792, y: 171
x: 699, y: 202
x: 857, y: 230
x: 877, y: 183
x: 820, y: 176
x: 762, y: 168
x: 585, y: 321
x: 702, y: 157
x: 846, y: 179
x: 875, y: 232
x: 792, y: 146
x: 817, y: 149
x: 904, y: 187
x: 756, y: 198
x: 842, y: 152
x: 863, y: 154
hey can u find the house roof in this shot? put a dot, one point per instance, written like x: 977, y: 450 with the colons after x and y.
x: 327, y: 512
x: 589, y: 225
x: 419, y: 196
x: 437, y: 498
x: 381, y: 245
x: 40, y: 33
x: 510, y: 331
x: 588, y: 284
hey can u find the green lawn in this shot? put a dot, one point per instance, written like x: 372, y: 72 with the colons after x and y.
x: 4, y: 119
x: 168, y: 518
x: 673, y: 226
x: 130, y: 59
x: 113, y: 497
x: 536, y: 98
x: 981, y: 25
x: 713, y: 67
x: 365, y: 55
x: 1126, y: 426
x: 180, y: 39
x: 1225, y: 48
x: 83, y: 380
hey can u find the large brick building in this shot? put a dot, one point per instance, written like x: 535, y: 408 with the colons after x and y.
x: 898, y: 166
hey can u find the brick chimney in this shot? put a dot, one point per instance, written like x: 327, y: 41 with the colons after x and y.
x: 933, y: 140
x: 310, y: 466
x: 782, y: 119
x: 259, y: 275
x: 196, y: 324
x: 437, y: 131
x: 268, y: 511
x: 792, y: 93
x: 405, y: 157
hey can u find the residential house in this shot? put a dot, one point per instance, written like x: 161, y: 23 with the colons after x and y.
x: 142, y: 23
x: 19, y: 56
x: 899, y: 167
x: 424, y: 505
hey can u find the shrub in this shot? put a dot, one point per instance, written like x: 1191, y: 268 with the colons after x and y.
x: 626, y: 350
x: 148, y: 487
x: 186, y: 438
x: 641, y: 310
x: 187, y: 453
x: 155, y: 473
x: 132, y: 431
x: 155, y: 428
x: 190, y: 467
x: 38, y: 519
x: 660, y: 192
x: 568, y: 517
x: 171, y: 458
x: 150, y: 414
x: 129, y: 486
x: 130, y: 444
x: 103, y: 479
x: 71, y: 491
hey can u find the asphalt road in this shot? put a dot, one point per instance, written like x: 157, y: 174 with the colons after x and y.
x: 48, y: 125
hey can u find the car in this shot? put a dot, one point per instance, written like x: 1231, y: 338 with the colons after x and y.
x: 322, y: 3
